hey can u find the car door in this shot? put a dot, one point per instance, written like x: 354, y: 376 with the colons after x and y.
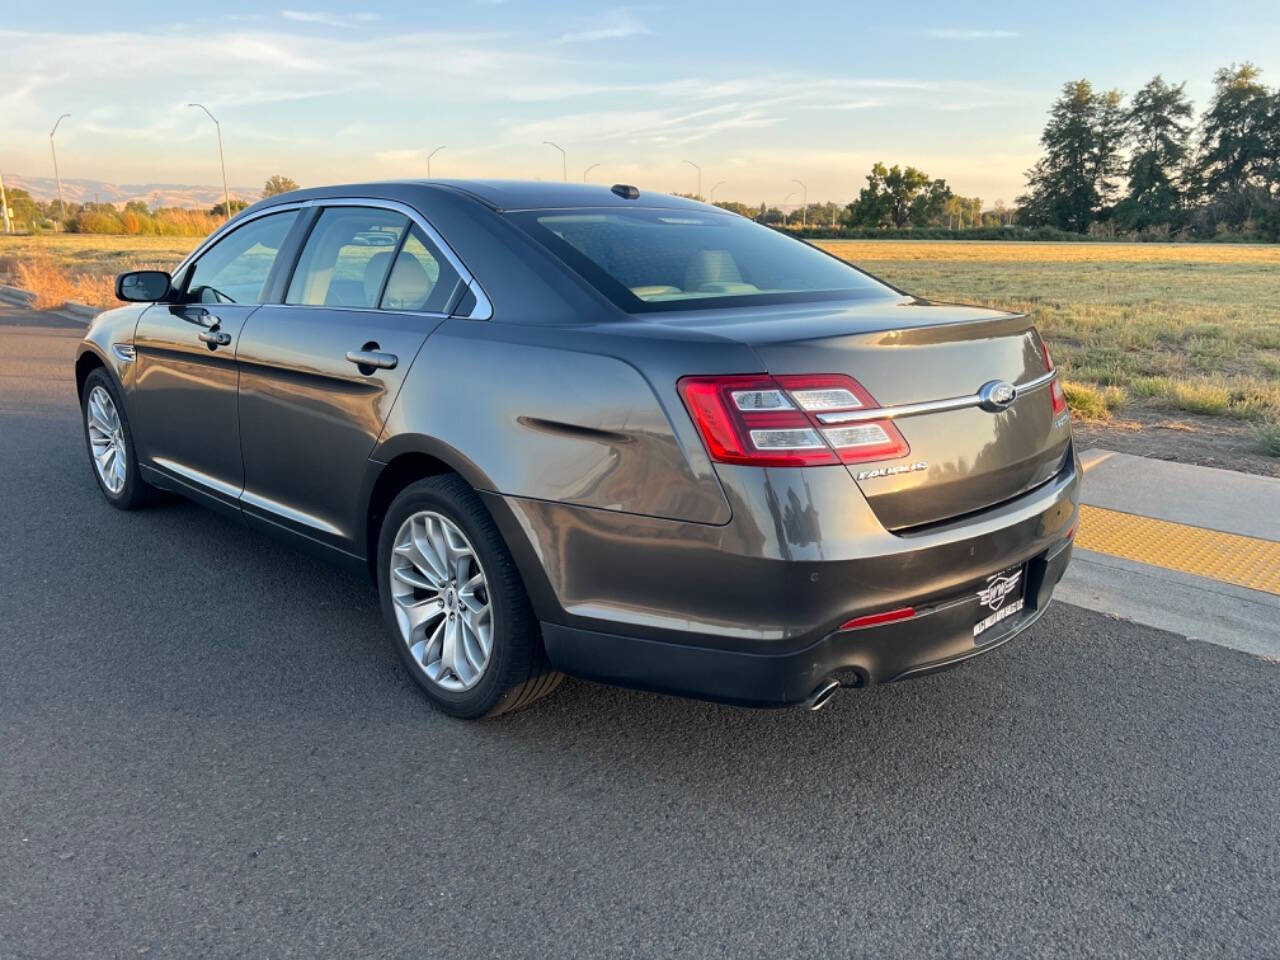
x: 185, y: 399
x: 319, y: 372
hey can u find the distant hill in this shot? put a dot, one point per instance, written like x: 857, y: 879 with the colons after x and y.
x: 79, y: 190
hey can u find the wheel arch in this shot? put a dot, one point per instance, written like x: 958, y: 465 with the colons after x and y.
x: 88, y: 361
x: 408, y: 460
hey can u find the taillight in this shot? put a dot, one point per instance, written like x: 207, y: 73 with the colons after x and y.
x: 773, y: 421
x: 1055, y: 385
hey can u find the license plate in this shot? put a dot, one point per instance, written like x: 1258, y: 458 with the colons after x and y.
x: 1000, y: 598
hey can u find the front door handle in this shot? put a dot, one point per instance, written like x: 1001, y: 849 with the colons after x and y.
x: 214, y: 338
x: 372, y: 359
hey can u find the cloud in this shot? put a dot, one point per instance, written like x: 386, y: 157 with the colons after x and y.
x: 610, y: 25
x: 328, y: 19
x: 960, y: 33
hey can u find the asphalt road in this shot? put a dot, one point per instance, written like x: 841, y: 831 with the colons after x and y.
x: 207, y: 749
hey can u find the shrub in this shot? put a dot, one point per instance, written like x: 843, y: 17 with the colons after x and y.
x: 1093, y: 403
x: 48, y: 280
x: 1268, y: 441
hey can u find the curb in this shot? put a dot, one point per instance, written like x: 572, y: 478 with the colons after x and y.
x: 79, y: 312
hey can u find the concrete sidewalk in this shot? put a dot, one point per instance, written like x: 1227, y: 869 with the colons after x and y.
x: 1193, y: 550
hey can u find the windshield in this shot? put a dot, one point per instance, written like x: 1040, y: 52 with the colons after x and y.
x: 647, y: 260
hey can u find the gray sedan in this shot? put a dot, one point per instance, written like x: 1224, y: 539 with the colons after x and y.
x: 591, y: 430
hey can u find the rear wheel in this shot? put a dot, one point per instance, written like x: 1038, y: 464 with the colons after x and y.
x: 110, y: 443
x: 461, y: 620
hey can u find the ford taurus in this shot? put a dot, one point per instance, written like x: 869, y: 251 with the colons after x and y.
x: 597, y: 431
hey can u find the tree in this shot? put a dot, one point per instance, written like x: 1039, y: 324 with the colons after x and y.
x: 1239, y: 143
x: 928, y: 205
x: 741, y: 209
x: 277, y: 184
x: 24, y: 213
x: 1074, y: 182
x: 894, y: 197
x: 219, y: 209
x: 1158, y: 124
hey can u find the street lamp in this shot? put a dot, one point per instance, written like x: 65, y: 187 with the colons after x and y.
x: 699, y: 169
x: 222, y: 162
x: 564, y: 163
x: 432, y: 154
x: 806, y: 203
x: 781, y: 206
x: 4, y: 205
x: 57, y: 176
x: 712, y: 198
x: 588, y: 170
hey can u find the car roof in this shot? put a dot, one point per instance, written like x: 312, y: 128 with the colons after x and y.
x: 503, y: 194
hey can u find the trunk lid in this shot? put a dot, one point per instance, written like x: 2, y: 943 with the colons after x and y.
x: 912, y: 351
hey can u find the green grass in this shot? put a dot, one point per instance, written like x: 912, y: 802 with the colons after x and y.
x: 1094, y: 403
x: 1268, y: 441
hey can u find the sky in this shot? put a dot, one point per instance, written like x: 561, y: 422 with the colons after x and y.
x: 757, y: 95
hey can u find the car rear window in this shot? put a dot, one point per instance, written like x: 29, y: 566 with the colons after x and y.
x: 649, y: 259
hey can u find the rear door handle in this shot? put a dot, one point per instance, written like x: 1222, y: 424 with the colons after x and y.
x: 215, y: 338
x: 372, y: 359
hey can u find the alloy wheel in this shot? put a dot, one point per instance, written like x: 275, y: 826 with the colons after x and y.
x: 441, y: 601
x: 106, y: 439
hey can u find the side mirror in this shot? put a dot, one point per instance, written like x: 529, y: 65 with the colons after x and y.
x: 143, y: 286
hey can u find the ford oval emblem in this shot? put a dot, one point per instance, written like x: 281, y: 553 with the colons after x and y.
x: 997, y: 395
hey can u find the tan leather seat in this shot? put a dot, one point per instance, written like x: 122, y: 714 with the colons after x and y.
x: 710, y: 267
x: 408, y: 288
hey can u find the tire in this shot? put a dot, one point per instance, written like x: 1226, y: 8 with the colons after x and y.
x: 133, y: 491
x: 428, y: 523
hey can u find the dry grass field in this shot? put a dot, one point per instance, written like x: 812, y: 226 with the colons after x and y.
x: 1167, y: 349
x: 82, y: 267
x: 1171, y: 345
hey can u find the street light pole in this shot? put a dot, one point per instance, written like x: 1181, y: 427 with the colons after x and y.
x: 804, y: 208
x: 699, y: 169
x: 222, y: 161
x: 564, y: 162
x: 4, y: 202
x: 57, y: 176
x: 588, y: 170
x: 712, y: 198
x: 430, y: 155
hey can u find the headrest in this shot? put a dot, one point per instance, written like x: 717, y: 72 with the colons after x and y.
x: 710, y: 266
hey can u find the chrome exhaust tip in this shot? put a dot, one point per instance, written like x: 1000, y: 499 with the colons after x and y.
x: 824, y: 692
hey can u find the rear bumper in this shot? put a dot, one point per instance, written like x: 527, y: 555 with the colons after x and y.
x: 934, y: 639
x: 749, y: 612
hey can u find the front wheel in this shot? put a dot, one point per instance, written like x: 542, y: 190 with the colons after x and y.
x: 461, y: 620
x: 110, y: 443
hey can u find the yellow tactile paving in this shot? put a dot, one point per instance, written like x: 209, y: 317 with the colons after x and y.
x: 1227, y: 557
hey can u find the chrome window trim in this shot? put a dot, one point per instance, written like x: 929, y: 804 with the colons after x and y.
x: 234, y: 223
x: 374, y: 310
x: 483, y: 310
x: 928, y: 406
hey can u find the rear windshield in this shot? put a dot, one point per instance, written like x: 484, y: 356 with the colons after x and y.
x: 646, y: 260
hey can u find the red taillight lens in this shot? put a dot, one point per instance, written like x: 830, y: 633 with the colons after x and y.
x: 1055, y: 386
x: 775, y: 421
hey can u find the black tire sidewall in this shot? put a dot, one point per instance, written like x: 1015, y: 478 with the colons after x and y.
x: 513, y: 621
x: 133, y: 493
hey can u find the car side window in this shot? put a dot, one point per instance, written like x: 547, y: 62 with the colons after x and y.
x: 422, y: 279
x: 235, y: 269
x: 346, y: 258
